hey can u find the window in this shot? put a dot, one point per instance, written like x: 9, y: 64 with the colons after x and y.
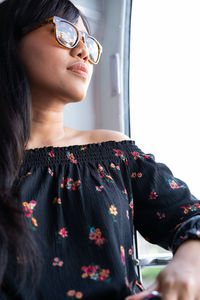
x: 165, y: 86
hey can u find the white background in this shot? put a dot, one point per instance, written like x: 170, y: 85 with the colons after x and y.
x: 165, y: 84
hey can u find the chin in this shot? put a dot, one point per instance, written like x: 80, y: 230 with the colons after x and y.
x: 74, y: 97
x: 71, y: 93
x: 78, y: 96
x: 73, y: 100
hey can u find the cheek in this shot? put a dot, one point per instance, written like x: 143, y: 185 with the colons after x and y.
x: 41, y: 60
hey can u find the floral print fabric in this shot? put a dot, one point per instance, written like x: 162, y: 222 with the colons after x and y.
x: 83, y: 204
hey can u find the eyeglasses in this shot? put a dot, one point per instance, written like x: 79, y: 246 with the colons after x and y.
x: 68, y: 36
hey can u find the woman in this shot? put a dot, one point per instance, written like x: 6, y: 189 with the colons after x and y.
x: 69, y: 198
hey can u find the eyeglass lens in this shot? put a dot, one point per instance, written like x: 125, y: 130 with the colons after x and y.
x: 67, y: 36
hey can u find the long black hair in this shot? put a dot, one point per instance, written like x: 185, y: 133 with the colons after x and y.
x: 18, y: 248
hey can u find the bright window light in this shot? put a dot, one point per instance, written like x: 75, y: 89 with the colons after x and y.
x: 165, y: 84
x: 165, y: 90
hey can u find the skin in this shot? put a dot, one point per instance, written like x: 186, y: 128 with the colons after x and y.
x: 180, y: 280
x: 53, y: 87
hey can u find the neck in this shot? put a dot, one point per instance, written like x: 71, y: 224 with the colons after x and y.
x: 47, y: 125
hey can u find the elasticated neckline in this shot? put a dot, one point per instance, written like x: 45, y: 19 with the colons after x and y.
x: 74, y: 153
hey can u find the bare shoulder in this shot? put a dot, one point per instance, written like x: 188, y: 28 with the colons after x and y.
x: 82, y: 137
x: 104, y: 135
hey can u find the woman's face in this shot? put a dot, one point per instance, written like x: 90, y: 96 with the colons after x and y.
x: 47, y: 65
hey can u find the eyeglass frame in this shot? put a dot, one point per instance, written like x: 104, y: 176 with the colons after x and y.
x: 81, y: 35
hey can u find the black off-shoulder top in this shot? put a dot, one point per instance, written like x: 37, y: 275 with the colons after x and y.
x: 83, y: 204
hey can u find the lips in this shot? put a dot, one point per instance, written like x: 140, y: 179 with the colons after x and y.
x: 79, y: 68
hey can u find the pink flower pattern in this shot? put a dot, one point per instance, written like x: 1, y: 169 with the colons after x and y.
x: 61, y: 234
x: 121, y: 155
x: 104, y: 175
x: 57, y: 262
x: 153, y: 195
x: 28, y: 211
x: 71, y: 157
x: 95, y: 272
x: 95, y: 234
x: 70, y: 184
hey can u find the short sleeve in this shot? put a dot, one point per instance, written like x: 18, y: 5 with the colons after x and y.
x: 165, y: 211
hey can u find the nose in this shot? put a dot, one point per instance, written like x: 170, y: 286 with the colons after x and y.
x: 81, y: 50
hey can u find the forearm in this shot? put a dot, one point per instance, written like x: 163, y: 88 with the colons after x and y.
x: 180, y: 278
x: 189, y: 251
